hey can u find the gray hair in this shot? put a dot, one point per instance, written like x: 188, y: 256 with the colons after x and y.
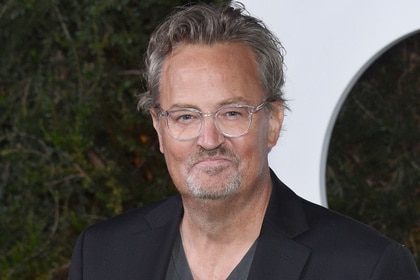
x: 210, y: 24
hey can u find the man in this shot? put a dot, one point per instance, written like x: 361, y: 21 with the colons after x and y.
x: 214, y: 77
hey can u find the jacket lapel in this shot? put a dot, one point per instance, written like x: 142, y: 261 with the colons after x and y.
x: 278, y: 255
x: 164, y: 226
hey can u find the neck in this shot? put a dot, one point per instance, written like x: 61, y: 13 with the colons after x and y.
x: 232, y: 218
x: 216, y: 234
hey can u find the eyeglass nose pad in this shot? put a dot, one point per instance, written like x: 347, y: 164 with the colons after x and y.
x: 208, y: 114
x: 210, y: 131
x: 212, y: 120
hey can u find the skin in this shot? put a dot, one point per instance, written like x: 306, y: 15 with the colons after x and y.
x: 224, y: 182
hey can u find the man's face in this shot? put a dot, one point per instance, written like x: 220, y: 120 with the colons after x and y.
x: 205, y: 78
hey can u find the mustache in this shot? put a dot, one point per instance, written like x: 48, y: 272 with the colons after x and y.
x: 219, y: 151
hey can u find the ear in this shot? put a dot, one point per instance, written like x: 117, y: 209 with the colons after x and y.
x: 157, y: 126
x: 276, y: 123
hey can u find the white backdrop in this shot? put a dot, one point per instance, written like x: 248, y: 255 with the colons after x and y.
x: 329, y: 44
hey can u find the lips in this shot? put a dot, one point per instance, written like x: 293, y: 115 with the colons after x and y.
x: 211, y: 165
x: 212, y: 162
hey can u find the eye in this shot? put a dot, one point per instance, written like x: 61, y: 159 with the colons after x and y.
x: 233, y: 113
x: 184, y: 116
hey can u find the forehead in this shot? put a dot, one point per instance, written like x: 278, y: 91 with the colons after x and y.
x: 203, y: 75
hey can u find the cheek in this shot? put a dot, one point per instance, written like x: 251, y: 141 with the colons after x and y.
x: 262, y: 136
x: 158, y: 129
x: 172, y: 149
x: 252, y: 148
x: 176, y: 153
x: 176, y: 158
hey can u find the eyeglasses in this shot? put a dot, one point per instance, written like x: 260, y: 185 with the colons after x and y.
x: 230, y: 120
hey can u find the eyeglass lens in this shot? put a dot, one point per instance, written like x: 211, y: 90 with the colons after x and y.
x: 231, y: 121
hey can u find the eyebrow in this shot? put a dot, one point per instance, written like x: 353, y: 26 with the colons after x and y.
x: 230, y: 101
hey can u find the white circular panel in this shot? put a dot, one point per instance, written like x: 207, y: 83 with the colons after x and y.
x: 329, y: 44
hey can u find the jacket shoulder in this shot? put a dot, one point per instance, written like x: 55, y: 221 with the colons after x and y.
x: 133, y: 245
x: 330, y: 223
x: 139, y: 219
x: 340, y: 246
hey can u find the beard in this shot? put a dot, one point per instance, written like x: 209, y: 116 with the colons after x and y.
x: 214, y: 190
x: 211, y: 184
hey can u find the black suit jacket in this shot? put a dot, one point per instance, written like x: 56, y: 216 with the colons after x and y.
x: 298, y: 240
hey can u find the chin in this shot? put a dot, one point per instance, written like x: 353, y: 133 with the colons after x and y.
x: 214, y: 188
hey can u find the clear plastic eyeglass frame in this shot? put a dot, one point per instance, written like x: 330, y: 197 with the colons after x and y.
x: 232, y: 120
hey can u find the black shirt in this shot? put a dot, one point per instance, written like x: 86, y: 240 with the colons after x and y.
x: 179, y: 269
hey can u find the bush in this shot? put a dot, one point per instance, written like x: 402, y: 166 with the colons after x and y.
x: 373, y: 169
x: 74, y: 149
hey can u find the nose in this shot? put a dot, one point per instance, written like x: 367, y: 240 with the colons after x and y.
x: 210, y: 137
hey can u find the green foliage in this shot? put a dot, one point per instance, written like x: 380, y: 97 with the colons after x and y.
x: 373, y: 168
x: 73, y: 148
